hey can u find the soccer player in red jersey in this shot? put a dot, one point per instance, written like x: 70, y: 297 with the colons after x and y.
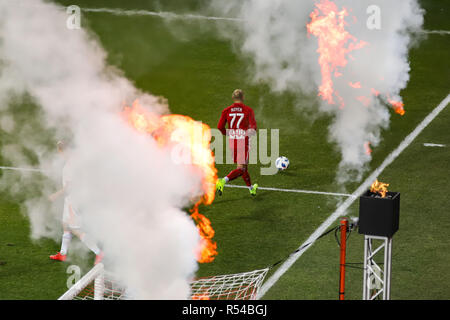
x: 241, y: 125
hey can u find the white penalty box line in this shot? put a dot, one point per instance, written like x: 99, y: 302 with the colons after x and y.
x: 341, y: 210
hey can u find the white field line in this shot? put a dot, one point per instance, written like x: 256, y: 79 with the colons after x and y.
x: 227, y: 185
x: 434, y: 145
x: 440, y: 32
x: 341, y: 210
x: 162, y: 14
x: 295, y: 191
x: 171, y: 15
x: 21, y: 169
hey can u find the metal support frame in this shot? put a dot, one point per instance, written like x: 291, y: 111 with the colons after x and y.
x: 377, y: 279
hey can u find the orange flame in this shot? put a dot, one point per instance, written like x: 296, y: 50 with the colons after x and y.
x: 375, y: 92
x: 200, y: 296
x: 194, y: 137
x: 356, y: 85
x: 367, y: 147
x: 398, y: 106
x: 334, y: 47
x: 208, y: 249
x: 379, y: 187
x: 335, y: 44
x: 141, y: 119
x: 364, y: 100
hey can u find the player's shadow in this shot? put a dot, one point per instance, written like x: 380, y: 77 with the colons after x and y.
x: 261, y: 194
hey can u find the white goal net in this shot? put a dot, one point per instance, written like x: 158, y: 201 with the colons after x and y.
x: 99, y: 284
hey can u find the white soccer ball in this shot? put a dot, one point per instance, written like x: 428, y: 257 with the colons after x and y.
x: 282, y: 163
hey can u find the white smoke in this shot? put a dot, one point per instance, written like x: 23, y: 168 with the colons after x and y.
x: 128, y: 191
x: 273, y: 34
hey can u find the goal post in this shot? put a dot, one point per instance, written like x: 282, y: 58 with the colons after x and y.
x: 239, y: 286
x: 99, y: 284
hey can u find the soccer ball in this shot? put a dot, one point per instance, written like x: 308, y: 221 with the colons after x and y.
x: 282, y: 163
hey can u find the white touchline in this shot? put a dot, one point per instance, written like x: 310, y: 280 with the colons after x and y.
x: 162, y: 14
x: 295, y: 191
x: 172, y: 15
x: 349, y: 201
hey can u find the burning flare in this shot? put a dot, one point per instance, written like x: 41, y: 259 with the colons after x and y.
x: 208, y: 246
x: 335, y: 44
x: 193, y: 139
x: 368, y: 148
x: 379, y: 187
x: 397, y: 106
x: 356, y: 85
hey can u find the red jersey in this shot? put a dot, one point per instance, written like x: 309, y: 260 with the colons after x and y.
x: 240, y: 118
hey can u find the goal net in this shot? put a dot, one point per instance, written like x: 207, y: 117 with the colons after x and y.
x: 99, y: 284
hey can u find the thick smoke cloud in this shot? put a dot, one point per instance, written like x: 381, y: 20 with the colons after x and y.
x: 274, y: 35
x: 128, y: 190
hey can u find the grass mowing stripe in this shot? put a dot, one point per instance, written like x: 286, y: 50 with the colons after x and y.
x: 349, y: 201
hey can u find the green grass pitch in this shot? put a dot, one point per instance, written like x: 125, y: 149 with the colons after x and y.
x: 197, y: 72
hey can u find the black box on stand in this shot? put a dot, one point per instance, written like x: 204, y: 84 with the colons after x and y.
x: 379, y: 216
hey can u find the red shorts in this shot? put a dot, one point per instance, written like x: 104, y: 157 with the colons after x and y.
x: 239, y: 151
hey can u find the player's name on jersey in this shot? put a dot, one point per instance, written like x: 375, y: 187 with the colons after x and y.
x: 236, y: 109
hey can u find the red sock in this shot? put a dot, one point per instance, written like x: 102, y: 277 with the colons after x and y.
x: 235, y: 173
x: 247, y: 179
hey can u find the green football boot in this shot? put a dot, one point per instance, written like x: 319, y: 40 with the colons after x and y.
x: 253, y: 189
x: 219, y: 186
